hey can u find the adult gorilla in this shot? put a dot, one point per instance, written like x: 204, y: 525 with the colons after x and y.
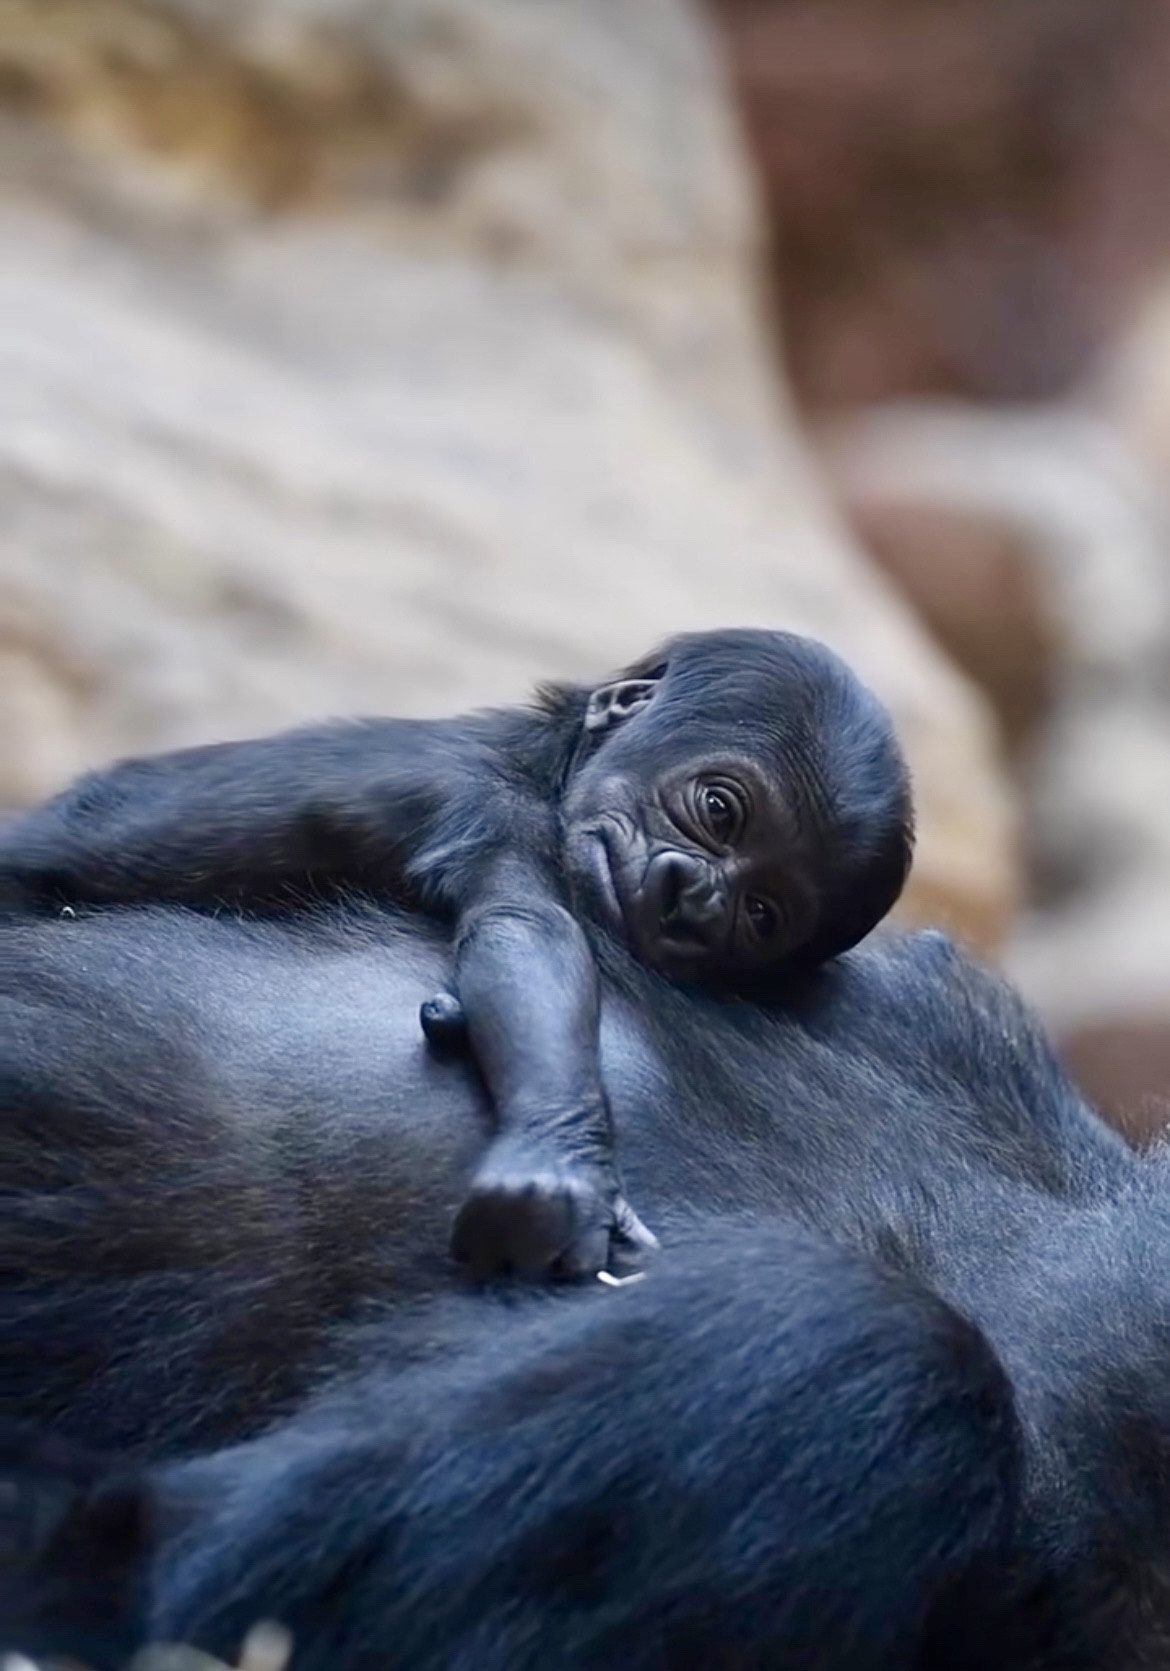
x: 230, y: 1165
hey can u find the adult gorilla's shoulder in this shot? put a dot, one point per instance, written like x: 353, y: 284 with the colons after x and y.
x: 904, y: 1070
x: 940, y: 1019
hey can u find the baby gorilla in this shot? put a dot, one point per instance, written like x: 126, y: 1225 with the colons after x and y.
x: 735, y: 808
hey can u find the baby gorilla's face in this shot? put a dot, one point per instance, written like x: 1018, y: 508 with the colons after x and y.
x: 738, y: 805
x: 705, y: 871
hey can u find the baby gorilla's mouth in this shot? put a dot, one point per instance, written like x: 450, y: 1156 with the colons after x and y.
x: 683, y: 905
x: 665, y: 907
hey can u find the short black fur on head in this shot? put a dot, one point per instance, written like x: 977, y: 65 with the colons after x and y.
x: 740, y: 808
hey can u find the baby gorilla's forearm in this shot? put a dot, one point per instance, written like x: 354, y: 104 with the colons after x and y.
x: 548, y: 1194
x: 528, y: 985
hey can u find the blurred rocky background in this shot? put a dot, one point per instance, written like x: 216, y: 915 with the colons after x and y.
x: 971, y: 246
x: 392, y: 354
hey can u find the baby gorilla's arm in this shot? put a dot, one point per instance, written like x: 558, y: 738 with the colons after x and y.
x: 445, y: 1024
x: 548, y: 1192
x: 409, y: 809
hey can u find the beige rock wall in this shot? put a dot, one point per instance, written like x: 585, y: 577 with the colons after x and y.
x: 970, y: 194
x: 390, y: 354
x: 1064, y: 500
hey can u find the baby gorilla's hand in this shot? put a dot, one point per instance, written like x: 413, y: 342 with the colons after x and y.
x: 532, y: 1212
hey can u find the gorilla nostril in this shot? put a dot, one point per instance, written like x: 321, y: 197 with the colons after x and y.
x: 671, y: 880
x: 682, y: 898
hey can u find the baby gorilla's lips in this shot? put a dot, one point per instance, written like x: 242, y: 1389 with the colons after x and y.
x: 620, y: 894
x: 602, y: 874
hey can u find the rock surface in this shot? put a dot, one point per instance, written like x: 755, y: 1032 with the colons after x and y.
x: 1064, y: 492
x: 392, y: 354
x: 969, y: 194
x: 1134, y: 384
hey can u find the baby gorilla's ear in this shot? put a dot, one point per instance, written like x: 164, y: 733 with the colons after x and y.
x: 609, y: 705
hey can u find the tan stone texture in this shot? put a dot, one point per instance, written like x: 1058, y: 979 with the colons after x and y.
x: 390, y: 355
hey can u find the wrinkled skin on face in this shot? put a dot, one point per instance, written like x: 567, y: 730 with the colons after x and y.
x: 703, y: 871
x: 737, y: 817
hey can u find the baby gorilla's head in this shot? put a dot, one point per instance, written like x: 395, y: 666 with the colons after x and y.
x: 740, y: 807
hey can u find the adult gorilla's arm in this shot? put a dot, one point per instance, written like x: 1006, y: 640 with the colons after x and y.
x: 770, y: 1452
x: 222, y: 1138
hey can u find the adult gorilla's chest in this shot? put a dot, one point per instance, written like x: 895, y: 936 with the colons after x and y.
x: 903, y: 1103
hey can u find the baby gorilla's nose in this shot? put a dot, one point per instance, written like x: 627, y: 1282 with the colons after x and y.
x: 685, y: 897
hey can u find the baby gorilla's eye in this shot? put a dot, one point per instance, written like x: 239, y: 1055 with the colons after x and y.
x: 763, y: 917
x: 721, y: 812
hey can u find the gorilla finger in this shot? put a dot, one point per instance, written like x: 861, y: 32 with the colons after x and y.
x: 628, y: 1227
x: 504, y: 1228
x: 479, y: 1238
x: 585, y: 1256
